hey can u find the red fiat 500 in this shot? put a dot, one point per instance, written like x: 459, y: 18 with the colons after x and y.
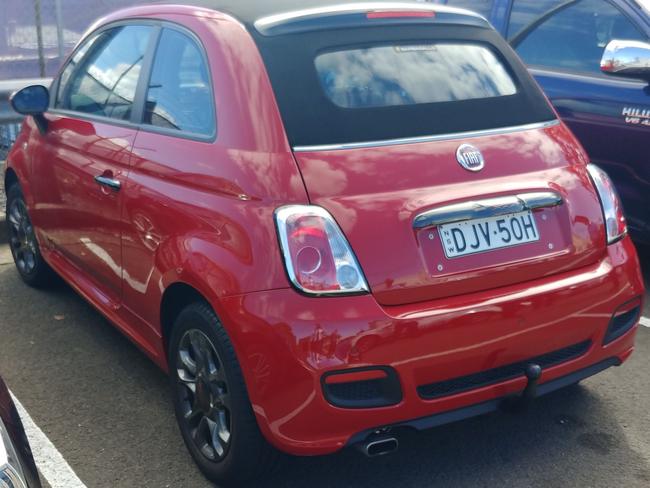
x: 329, y: 225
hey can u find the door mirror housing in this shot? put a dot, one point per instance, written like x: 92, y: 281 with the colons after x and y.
x: 32, y: 100
x: 630, y: 59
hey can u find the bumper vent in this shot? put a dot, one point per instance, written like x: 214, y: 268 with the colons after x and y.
x: 361, y: 391
x: 621, y: 323
x: 502, y: 373
x: 362, y: 387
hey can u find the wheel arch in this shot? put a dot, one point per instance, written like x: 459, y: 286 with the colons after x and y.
x: 11, y: 178
x: 253, y: 342
x: 175, y: 298
x: 18, y: 167
x: 190, y: 268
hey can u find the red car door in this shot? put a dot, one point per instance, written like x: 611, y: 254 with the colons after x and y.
x: 86, y: 158
x: 173, y: 154
x: 193, y: 188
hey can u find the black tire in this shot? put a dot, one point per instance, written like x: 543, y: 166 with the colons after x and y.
x: 247, y: 454
x: 29, y: 262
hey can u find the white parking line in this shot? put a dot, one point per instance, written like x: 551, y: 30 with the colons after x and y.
x: 645, y: 321
x: 56, y: 471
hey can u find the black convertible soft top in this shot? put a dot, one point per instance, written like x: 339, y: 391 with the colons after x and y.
x: 290, y: 46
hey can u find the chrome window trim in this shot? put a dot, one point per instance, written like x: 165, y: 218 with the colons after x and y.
x: 489, y: 207
x: 586, y: 77
x: 439, y: 137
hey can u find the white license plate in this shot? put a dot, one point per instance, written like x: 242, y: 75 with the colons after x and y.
x: 480, y: 235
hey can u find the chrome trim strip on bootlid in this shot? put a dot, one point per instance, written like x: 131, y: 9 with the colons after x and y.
x: 438, y: 137
x: 489, y: 207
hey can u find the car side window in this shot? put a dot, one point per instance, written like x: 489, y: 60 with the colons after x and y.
x: 103, y: 80
x: 572, y: 36
x: 70, y: 68
x: 179, y: 96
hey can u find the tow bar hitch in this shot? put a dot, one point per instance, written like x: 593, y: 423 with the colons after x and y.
x: 518, y: 403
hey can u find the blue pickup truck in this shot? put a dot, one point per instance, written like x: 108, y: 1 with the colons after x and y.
x: 563, y: 42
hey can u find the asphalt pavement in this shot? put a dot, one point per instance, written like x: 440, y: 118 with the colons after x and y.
x: 106, y: 409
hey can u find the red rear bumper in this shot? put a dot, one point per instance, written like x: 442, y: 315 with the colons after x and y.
x: 286, y: 342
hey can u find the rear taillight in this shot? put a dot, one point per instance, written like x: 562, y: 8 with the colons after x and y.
x: 317, y: 256
x: 610, y: 203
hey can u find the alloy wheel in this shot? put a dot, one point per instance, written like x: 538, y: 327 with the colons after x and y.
x: 22, y: 239
x: 203, y: 394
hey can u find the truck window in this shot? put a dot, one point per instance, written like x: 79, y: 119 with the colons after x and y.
x: 572, y: 36
x: 526, y: 12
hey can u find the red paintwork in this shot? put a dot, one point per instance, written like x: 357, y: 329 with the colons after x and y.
x: 375, y: 200
x: 285, y: 342
x: 71, y: 211
x: 201, y: 213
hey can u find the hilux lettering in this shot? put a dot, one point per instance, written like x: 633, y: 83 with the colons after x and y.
x: 636, y: 116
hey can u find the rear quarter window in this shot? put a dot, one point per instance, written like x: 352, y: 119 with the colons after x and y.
x: 179, y: 96
x: 408, y: 74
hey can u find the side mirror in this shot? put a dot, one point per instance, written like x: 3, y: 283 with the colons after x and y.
x: 630, y: 59
x: 32, y: 100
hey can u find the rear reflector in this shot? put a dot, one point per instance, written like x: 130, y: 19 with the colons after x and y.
x: 388, y: 14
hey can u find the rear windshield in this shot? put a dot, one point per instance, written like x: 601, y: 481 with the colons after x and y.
x: 354, y: 85
x: 384, y: 76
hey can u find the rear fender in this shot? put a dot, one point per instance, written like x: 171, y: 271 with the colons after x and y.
x: 199, y: 266
x: 256, y: 345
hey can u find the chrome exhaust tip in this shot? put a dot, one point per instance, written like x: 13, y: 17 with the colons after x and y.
x: 378, y: 446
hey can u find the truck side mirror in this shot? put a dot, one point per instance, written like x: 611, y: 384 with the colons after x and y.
x: 629, y: 59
